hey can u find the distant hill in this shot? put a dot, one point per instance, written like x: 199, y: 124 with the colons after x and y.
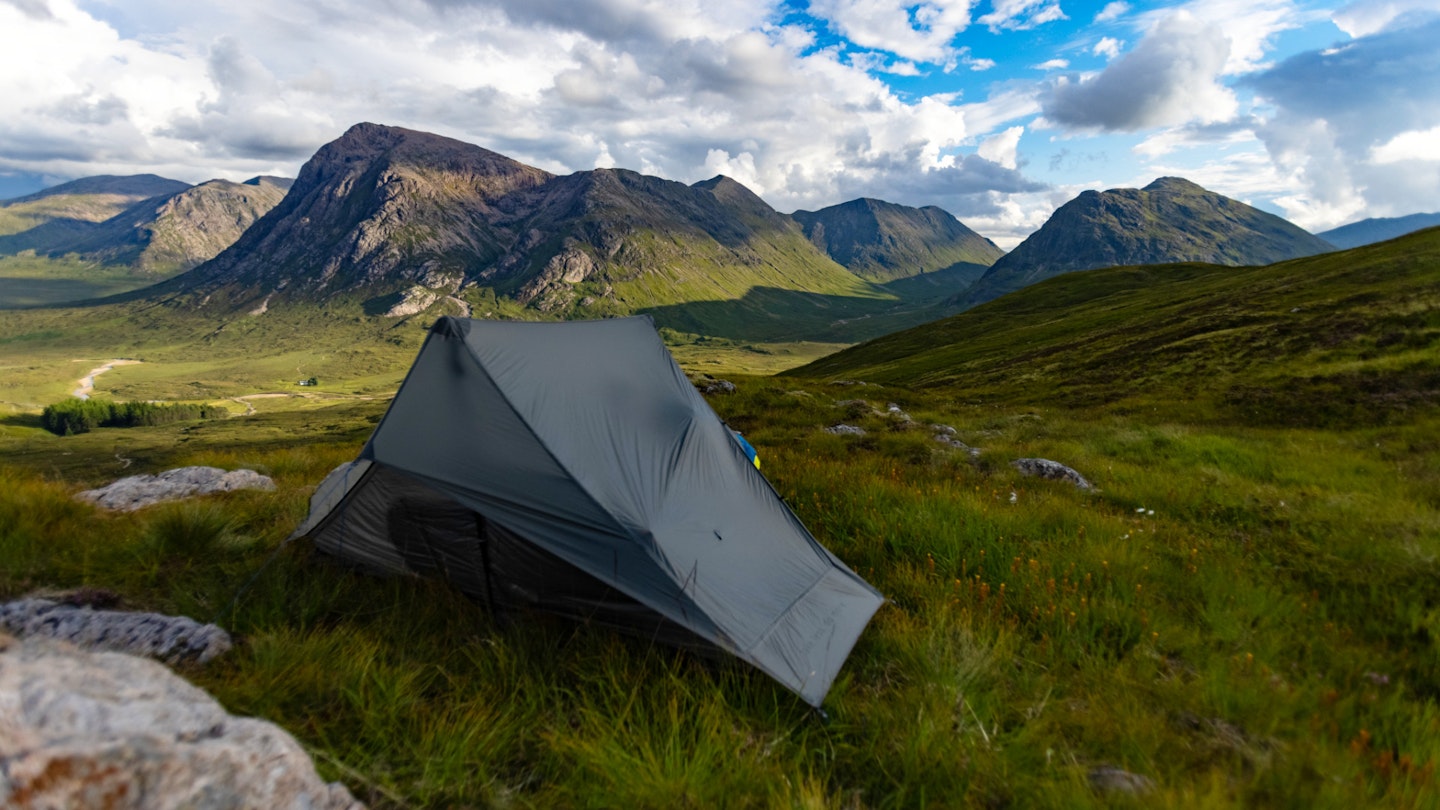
x: 882, y: 241
x: 1170, y: 220
x: 159, y: 235
x: 394, y: 222
x: 1369, y: 231
x: 87, y: 200
x: 1331, y: 339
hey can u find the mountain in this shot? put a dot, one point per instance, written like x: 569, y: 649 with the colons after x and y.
x: 160, y: 235
x: 395, y: 221
x: 87, y: 200
x: 1170, y: 220
x: 1330, y: 339
x: 1369, y: 231
x: 882, y: 241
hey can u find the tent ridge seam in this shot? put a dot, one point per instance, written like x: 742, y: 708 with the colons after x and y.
x: 765, y: 636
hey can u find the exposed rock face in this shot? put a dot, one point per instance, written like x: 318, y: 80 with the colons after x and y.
x: 174, y: 230
x: 82, y: 730
x: 1170, y: 220
x: 170, y: 638
x: 1053, y: 470
x: 138, y: 491
x: 883, y: 241
x: 382, y: 209
x: 845, y: 430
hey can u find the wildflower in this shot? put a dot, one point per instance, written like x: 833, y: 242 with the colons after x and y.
x: 1013, y: 496
x: 1150, y: 513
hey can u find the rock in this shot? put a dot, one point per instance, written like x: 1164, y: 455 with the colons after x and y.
x: 845, y: 430
x: 172, y: 638
x: 139, y: 491
x: 1053, y: 470
x: 950, y: 441
x: 716, y: 387
x: 1109, y: 779
x: 895, y: 413
x: 81, y: 729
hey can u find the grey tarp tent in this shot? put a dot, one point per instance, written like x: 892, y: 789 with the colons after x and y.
x: 572, y: 467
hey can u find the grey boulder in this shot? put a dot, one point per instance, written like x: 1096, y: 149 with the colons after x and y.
x: 82, y: 729
x: 138, y: 491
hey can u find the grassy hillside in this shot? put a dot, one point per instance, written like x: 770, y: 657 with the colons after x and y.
x: 1341, y: 338
x: 1245, y: 616
x: 1170, y: 220
x: 1245, y: 612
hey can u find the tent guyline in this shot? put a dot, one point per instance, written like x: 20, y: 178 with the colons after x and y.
x: 572, y: 468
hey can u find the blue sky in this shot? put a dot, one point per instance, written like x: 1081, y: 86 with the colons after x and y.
x: 997, y: 110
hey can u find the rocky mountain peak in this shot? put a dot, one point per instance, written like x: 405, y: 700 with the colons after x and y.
x: 1170, y: 220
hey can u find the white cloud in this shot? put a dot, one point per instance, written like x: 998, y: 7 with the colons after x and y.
x: 1021, y: 15
x: 1053, y: 64
x: 1416, y: 144
x: 923, y: 32
x: 1249, y: 26
x: 879, y: 63
x: 1339, y: 116
x: 1108, y: 47
x: 1001, y: 148
x: 1112, y: 11
x: 1373, y: 16
x: 1170, y: 77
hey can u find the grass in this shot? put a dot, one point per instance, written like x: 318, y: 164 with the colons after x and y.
x: 1267, y: 636
x: 28, y: 280
x: 1246, y: 611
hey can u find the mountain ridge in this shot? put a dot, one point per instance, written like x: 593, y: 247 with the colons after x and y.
x: 1378, y: 229
x: 1170, y: 220
x: 884, y: 241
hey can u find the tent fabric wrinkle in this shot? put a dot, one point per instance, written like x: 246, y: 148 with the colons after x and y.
x: 571, y: 467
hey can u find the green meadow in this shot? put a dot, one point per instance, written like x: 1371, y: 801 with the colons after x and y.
x: 1245, y: 611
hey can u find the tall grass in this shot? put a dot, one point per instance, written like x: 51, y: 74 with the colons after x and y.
x: 1268, y: 636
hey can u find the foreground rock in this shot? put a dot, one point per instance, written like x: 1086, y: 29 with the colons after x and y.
x: 80, y: 729
x: 1109, y: 779
x: 171, y: 638
x: 1053, y: 470
x: 138, y: 491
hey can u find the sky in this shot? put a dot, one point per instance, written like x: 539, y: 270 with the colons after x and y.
x: 998, y: 111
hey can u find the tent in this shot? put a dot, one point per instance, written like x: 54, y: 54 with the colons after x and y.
x: 571, y: 467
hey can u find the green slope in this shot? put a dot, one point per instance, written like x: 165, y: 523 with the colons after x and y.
x: 1342, y: 336
x: 1170, y: 220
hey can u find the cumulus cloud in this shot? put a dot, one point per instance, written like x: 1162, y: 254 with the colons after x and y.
x: 1002, y: 148
x: 1112, y: 11
x: 1053, y: 64
x: 1170, y: 77
x: 879, y: 63
x: 1249, y: 26
x: 923, y: 32
x: 1108, y: 47
x: 1021, y: 15
x: 1336, y: 111
x: 1373, y: 16
x: 1416, y: 144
